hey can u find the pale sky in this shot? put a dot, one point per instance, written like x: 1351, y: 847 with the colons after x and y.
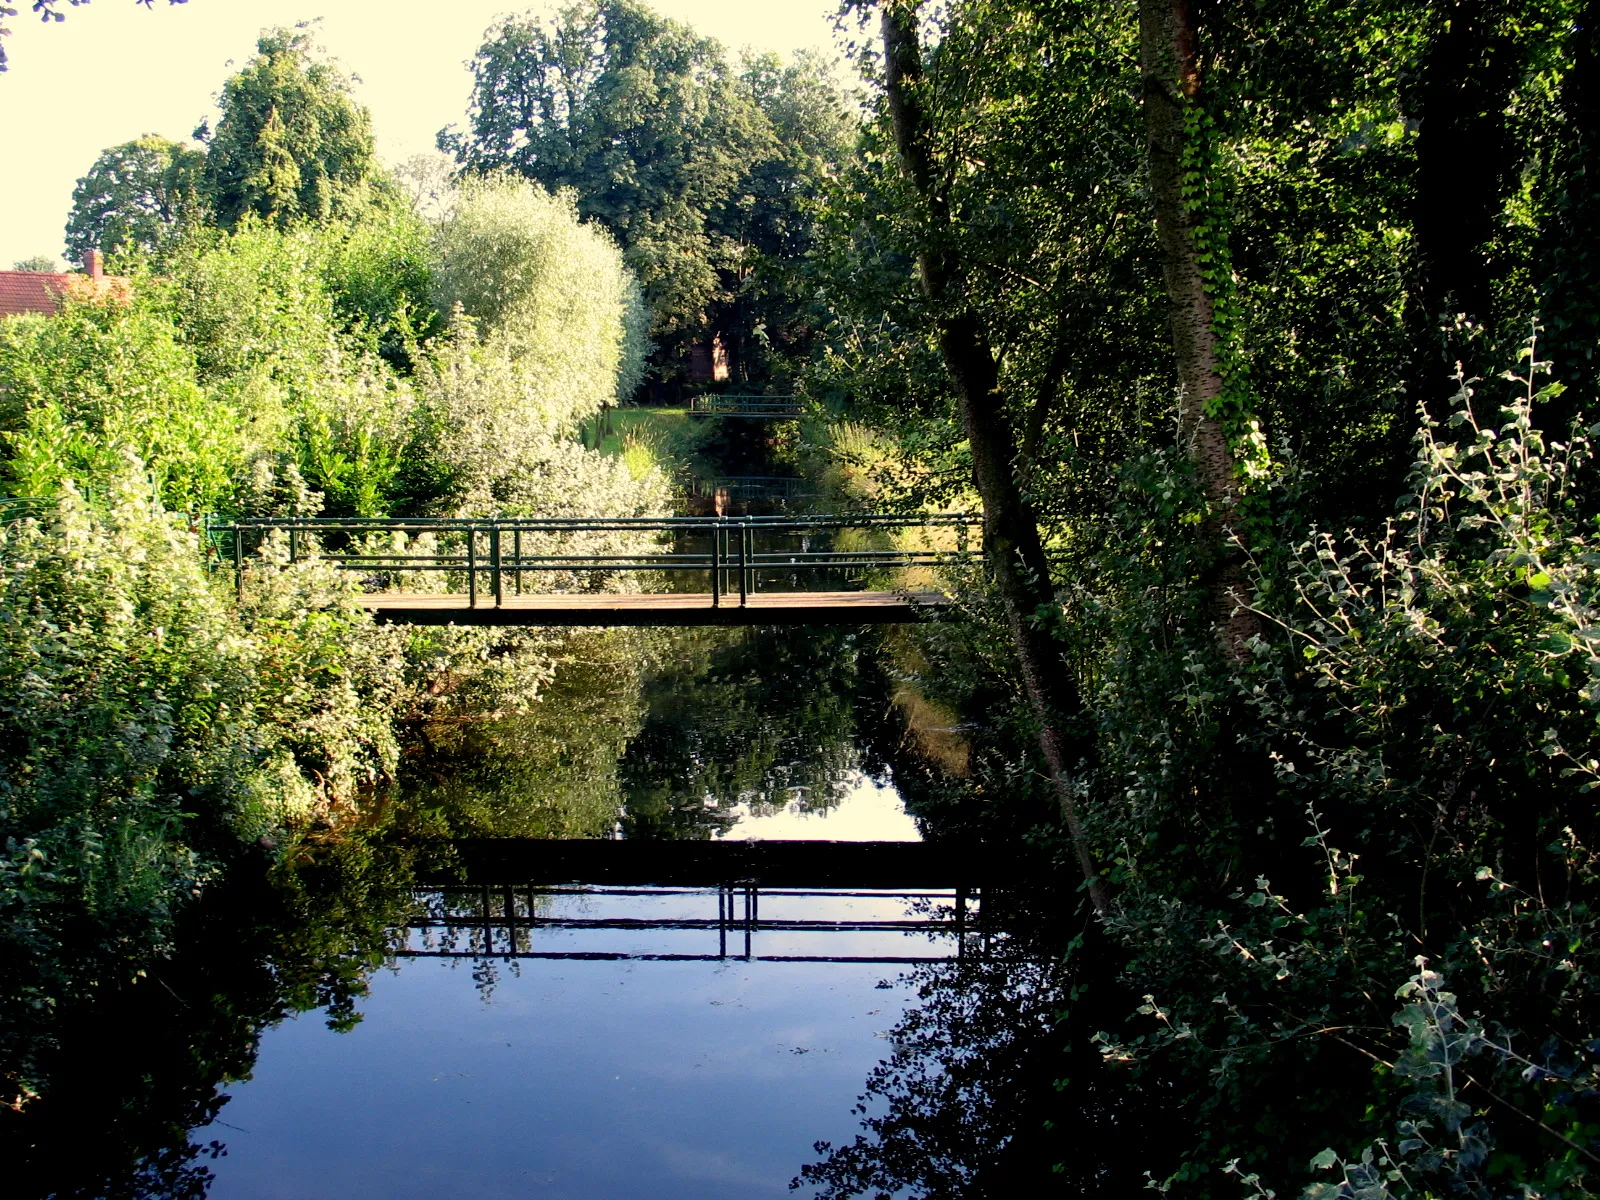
x: 114, y: 70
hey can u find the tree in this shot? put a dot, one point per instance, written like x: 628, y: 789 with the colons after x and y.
x: 1012, y: 546
x: 41, y: 264
x: 552, y: 297
x: 1213, y: 417
x: 699, y: 171
x: 292, y: 142
x: 135, y: 197
x: 770, y: 218
x: 640, y: 116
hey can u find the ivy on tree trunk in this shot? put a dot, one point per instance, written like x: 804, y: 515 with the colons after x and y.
x: 1206, y: 405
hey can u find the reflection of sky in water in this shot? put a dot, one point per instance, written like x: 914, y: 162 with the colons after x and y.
x: 867, y: 812
x: 591, y: 1080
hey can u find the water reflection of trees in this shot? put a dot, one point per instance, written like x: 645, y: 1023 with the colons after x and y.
x: 763, y: 717
x: 995, y: 1088
x: 122, y: 1080
x: 666, y: 730
x: 547, y: 772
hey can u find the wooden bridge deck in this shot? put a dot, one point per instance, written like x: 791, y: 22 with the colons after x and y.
x: 657, y: 608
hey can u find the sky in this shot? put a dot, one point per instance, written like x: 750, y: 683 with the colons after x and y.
x: 115, y: 70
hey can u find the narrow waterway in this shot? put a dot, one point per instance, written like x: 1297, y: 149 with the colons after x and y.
x: 481, y: 1074
x: 368, y: 1017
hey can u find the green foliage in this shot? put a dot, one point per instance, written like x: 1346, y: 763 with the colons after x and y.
x: 1399, y: 767
x: 701, y: 172
x: 39, y: 264
x: 292, y: 144
x: 81, y: 390
x: 136, y: 197
x: 148, y: 723
x: 268, y: 339
x: 485, y: 441
x: 550, y: 295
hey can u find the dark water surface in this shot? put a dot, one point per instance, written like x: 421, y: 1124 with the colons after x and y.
x: 481, y: 1075
x: 344, y: 1024
x: 571, y: 1079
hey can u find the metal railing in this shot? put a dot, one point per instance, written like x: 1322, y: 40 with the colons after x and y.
x: 20, y: 508
x: 756, y: 487
x: 516, y: 922
x: 760, y: 407
x: 496, y: 554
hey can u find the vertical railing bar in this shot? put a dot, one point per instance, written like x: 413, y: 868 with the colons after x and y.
x: 961, y: 922
x: 294, y: 543
x: 494, y: 557
x: 472, y: 566
x: 744, y: 579
x: 716, y: 567
x: 488, y: 929
x: 516, y: 553
x: 238, y: 564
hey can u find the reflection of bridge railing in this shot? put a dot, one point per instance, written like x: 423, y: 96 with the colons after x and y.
x: 496, y: 553
x: 525, y: 922
x: 771, y: 408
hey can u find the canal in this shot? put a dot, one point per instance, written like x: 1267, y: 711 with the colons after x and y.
x: 375, y: 1012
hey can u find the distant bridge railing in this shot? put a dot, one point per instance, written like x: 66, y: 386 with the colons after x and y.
x: 760, y: 407
x: 756, y: 487
x: 496, y: 554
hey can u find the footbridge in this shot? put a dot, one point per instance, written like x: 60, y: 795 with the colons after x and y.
x: 609, y: 571
x: 890, y: 903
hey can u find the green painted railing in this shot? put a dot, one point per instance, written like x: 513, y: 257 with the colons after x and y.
x: 497, y: 554
x: 759, y: 407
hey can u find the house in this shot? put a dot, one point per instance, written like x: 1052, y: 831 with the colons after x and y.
x: 708, y: 363
x: 41, y: 292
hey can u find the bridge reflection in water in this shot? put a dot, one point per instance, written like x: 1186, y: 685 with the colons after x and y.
x: 840, y: 902
x: 607, y: 923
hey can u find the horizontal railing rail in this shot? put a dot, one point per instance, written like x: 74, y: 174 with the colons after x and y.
x: 746, y: 406
x: 511, y: 922
x: 503, y: 550
x: 756, y: 487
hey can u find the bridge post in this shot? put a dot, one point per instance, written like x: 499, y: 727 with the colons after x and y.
x: 744, y: 577
x: 494, y: 558
x: 716, y: 565
x: 516, y: 556
x: 961, y: 921
x: 294, y: 543
x: 472, y: 565
x: 238, y: 563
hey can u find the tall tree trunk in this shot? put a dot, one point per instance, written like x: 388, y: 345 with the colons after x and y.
x: 1010, y: 530
x: 1464, y: 156
x: 1571, y: 258
x: 1171, y: 69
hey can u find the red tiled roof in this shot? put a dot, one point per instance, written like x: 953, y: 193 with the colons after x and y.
x: 30, y: 292
x: 39, y: 292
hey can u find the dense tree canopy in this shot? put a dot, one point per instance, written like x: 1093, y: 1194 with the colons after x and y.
x: 291, y: 143
x: 697, y: 168
x: 1263, y: 332
x: 135, y: 197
